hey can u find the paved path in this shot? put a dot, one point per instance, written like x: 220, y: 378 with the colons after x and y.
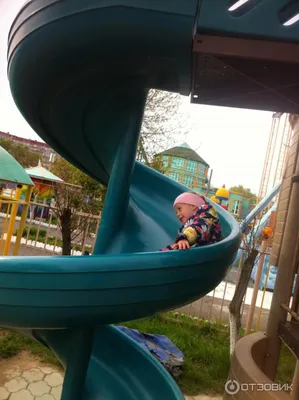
x: 203, y: 397
x: 26, y: 378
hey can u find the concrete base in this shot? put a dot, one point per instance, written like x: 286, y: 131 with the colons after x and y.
x: 246, y: 376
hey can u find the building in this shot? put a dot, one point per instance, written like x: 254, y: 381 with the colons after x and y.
x: 238, y: 205
x: 46, y: 152
x: 184, y: 165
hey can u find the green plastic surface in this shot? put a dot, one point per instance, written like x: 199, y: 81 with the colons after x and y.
x: 88, y: 68
x: 11, y: 170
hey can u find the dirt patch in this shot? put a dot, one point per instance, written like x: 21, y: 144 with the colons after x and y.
x: 15, y: 366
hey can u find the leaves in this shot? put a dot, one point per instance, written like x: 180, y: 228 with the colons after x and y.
x: 246, y: 192
x: 21, y: 153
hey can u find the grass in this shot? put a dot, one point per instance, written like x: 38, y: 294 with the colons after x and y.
x: 12, y: 343
x: 206, y: 353
x: 205, y: 346
x: 286, y: 366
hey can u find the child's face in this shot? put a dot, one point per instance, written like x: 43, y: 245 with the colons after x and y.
x: 184, y: 211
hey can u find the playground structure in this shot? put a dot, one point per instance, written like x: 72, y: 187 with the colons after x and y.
x: 44, y: 181
x: 275, y: 157
x: 256, y: 356
x: 87, y: 102
x: 264, y: 218
x: 222, y: 195
x: 13, y: 173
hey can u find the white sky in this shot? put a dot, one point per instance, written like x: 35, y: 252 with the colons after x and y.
x: 232, y: 141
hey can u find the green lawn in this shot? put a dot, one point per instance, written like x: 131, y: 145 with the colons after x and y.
x: 12, y: 343
x: 205, y: 346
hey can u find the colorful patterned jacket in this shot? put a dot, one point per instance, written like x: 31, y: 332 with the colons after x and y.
x: 201, y: 229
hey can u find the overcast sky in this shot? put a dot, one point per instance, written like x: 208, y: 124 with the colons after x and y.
x: 232, y: 141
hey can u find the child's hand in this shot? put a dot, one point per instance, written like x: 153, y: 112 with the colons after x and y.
x: 181, y: 245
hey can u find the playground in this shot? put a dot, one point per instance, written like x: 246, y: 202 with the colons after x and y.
x: 84, y: 94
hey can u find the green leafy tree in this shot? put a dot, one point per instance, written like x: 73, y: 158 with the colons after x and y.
x: 158, y: 165
x: 246, y: 192
x: 21, y: 153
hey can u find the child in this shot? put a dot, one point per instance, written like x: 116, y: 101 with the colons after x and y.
x: 200, y: 222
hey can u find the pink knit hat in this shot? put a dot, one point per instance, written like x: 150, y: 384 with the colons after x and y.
x: 190, y: 198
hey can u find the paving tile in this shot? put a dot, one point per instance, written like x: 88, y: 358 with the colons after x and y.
x: 22, y: 395
x: 203, y: 397
x: 33, y: 375
x: 13, y: 373
x: 47, y: 370
x: 16, y: 384
x: 56, y: 391
x: 39, y: 388
x: 54, y: 379
x: 4, y: 393
x: 45, y: 397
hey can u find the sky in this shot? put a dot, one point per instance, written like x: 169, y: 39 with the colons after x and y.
x: 232, y: 141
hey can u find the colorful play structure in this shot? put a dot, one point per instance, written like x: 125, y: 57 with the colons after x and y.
x: 85, y: 97
x: 222, y: 196
x: 11, y: 172
x: 262, y: 215
x: 44, y: 181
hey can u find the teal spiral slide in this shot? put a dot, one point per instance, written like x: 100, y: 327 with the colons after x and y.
x: 79, y: 72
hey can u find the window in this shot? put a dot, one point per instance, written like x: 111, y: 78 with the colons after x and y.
x: 236, y: 207
x: 165, y: 161
x: 202, y: 169
x: 191, y: 166
x: 177, y: 162
x: 188, y: 180
x: 174, y: 176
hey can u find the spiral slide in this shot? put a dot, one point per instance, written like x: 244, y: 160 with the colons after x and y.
x: 79, y: 73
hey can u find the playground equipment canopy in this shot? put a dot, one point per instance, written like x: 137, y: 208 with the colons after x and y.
x: 11, y: 170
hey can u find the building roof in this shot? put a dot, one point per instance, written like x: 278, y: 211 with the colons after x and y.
x: 11, y: 170
x: 184, y: 151
x: 42, y: 173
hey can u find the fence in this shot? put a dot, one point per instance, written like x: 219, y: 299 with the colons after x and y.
x: 256, y: 303
x: 42, y: 236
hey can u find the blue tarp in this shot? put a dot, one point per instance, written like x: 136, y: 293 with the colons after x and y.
x: 161, y: 347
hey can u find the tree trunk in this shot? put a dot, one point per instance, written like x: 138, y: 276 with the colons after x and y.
x: 66, y: 232
x: 236, y: 303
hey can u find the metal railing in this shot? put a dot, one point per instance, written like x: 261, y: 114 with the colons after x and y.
x: 214, y: 307
x: 42, y: 236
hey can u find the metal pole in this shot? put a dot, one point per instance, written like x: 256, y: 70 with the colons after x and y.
x: 209, y: 183
x: 22, y: 221
x: 12, y: 220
